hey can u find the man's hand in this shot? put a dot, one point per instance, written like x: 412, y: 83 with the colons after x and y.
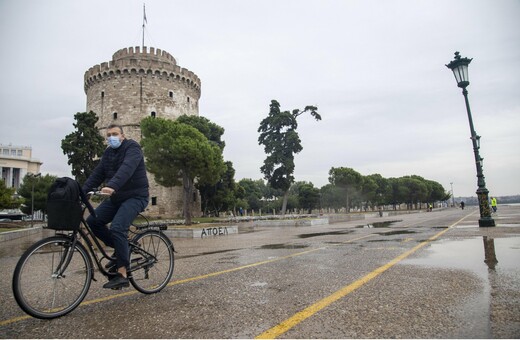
x: 107, y: 191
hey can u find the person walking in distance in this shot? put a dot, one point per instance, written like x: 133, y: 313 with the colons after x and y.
x: 122, y: 173
x: 494, y: 204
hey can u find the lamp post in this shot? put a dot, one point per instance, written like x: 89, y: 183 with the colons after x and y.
x: 452, y: 196
x: 32, y: 196
x: 459, y: 66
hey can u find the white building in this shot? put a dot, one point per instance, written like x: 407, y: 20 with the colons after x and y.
x: 15, y: 163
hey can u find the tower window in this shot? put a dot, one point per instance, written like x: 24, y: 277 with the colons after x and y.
x: 170, y: 94
x: 115, y: 115
x: 188, y: 99
x: 152, y: 114
x: 154, y: 200
x: 102, y: 94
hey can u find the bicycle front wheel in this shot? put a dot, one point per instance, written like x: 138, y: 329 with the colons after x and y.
x: 151, y: 262
x: 52, y: 278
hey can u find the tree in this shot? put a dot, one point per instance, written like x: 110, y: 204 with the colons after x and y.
x: 348, y: 179
x: 252, y: 192
x: 437, y: 192
x: 178, y: 154
x: 368, y: 190
x: 308, y: 196
x: 382, y: 191
x: 212, y: 131
x: 84, y: 146
x: 41, y: 189
x: 332, y: 197
x: 7, y: 199
x: 414, y: 190
x: 281, y: 142
x: 222, y: 195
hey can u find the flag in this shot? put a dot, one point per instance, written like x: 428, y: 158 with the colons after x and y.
x: 144, y: 14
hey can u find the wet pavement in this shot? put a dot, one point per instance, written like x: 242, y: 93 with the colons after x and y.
x: 424, y: 275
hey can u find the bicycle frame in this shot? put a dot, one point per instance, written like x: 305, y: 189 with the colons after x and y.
x: 87, y: 235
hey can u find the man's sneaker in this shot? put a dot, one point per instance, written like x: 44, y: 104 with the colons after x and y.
x: 117, y: 282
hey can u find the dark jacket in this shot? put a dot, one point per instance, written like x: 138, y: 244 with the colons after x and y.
x: 123, y: 170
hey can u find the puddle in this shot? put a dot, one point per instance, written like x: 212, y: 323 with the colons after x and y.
x: 340, y: 232
x: 385, y: 224
x: 397, y: 232
x: 487, y: 258
x: 508, y: 225
x: 476, y: 254
x: 246, y: 230
x: 283, y: 246
x: 205, y: 253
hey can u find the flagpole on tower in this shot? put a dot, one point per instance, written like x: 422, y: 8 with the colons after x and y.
x: 144, y: 21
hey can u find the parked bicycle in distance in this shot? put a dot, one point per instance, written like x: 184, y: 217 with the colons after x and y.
x: 54, y: 275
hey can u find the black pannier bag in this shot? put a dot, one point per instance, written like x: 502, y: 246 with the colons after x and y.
x: 64, y: 211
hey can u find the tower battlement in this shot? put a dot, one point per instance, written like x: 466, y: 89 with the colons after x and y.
x: 141, y: 62
x: 137, y: 52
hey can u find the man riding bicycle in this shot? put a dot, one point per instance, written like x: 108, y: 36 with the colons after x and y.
x: 123, y: 172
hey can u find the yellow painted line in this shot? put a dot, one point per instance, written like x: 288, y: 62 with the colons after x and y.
x: 13, y: 320
x: 177, y: 282
x: 306, y: 313
x: 359, y: 238
x: 201, y: 277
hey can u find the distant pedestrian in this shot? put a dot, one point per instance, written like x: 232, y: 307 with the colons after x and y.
x: 494, y: 204
x: 430, y: 207
x: 462, y: 205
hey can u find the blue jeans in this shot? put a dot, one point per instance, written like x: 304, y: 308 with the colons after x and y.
x: 121, y: 214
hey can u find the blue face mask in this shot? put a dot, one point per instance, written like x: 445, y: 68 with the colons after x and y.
x: 114, y: 142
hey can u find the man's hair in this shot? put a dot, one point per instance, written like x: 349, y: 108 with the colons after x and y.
x: 111, y: 126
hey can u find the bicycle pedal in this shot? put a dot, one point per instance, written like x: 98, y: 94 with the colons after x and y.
x: 117, y: 288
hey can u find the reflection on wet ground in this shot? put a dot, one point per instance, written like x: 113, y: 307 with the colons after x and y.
x: 283, y: 246
x: 509, y: 225
x: 495, y: 262
x: 385, y: 224
x: 476, y: 254
x: 205, y: 253
x: 397, y: 232
x: 339, y: 232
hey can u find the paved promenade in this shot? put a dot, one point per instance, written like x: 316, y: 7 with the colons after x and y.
x: 423, y: 275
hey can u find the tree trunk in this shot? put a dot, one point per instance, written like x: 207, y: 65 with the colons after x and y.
x: 284, y: 204
x: 187, y: 185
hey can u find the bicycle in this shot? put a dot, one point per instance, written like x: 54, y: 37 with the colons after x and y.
x: 53, y: 276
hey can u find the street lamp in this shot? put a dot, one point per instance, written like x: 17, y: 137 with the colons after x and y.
x: 452, y: 196
x: 459, y: 66
x: 32, y: 196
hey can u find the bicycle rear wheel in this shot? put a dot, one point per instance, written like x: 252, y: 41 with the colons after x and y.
x: 45, y: 286
x: 152, y: 265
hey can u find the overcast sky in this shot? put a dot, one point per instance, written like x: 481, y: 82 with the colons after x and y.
x: 375, y: 70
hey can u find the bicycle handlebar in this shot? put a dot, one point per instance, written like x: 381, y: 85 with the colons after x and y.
x: 97, y: 193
